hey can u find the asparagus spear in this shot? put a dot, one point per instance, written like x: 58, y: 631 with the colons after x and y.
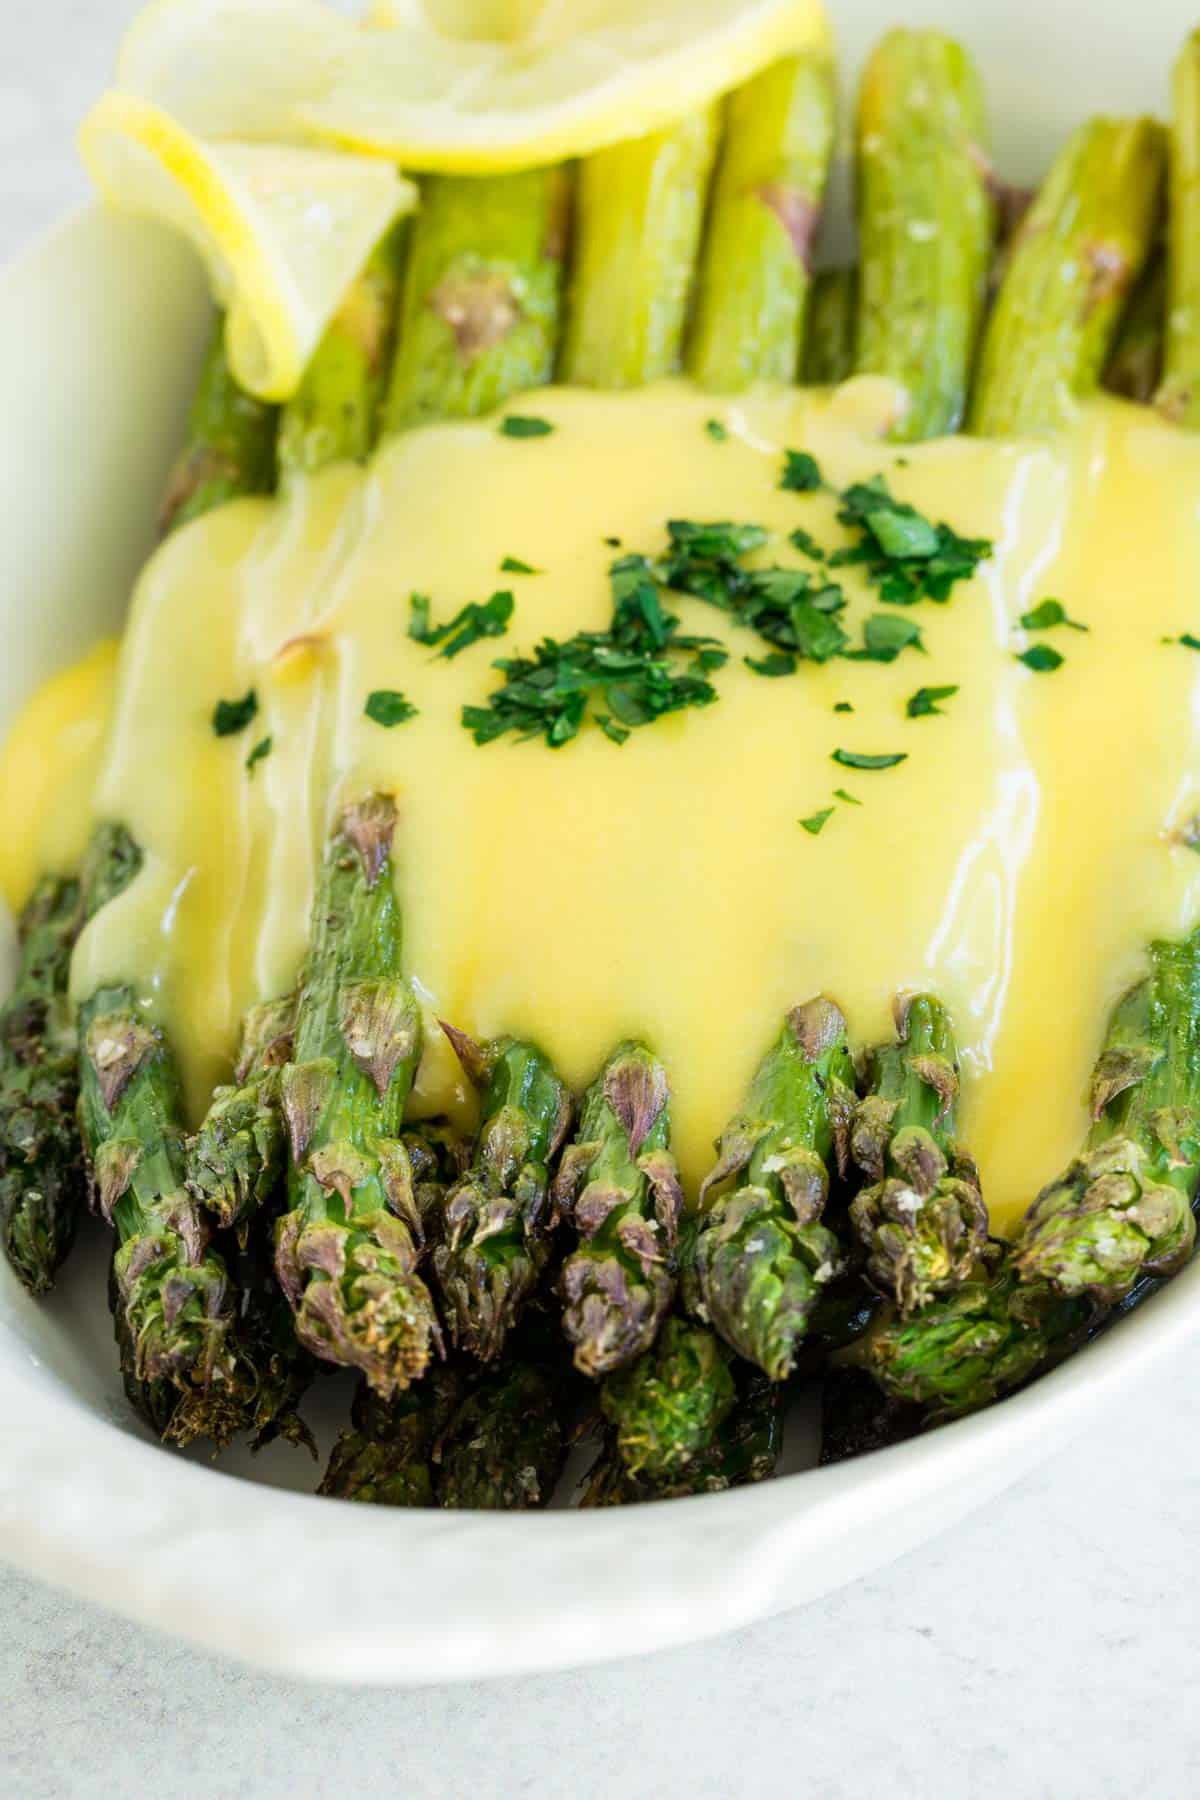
x: 41, y: 1169
x: 482, y: 294
x: 497, y: 1218
x: 639, y: 216
x: 347, y: 1251
x: 925, y: 219
x: 762, y: 1255
x: 1077, y: 255
x: 235, y: 1162
x: 766, y: 205
x: 504, y: 1448
x: 664, y: 1411
x: 619, y: 1185
x: 922, y: 1221
x: 230, y: 445
x: 333, y: 416
x: 742, y: 1447
x: 858, y: 1417
x: 831, y: 328
x: 386, y: 1456
x: 1179, y: 395
x: 1135, y: 366
x: 1123, y: 1208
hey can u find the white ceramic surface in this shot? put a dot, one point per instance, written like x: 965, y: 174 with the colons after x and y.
x: 98, y: 335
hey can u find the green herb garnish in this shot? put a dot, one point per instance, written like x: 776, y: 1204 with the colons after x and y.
x: 924, y: 703
x: 512, y: 565
x: 1046, y: 615
x: 885, y: 635
x: 843, y: 706
x: 859, y: 759
x: 230, y: 716
x: 469, y: 624
x: 841, y: 794
x: 518, y: 425
x: 816, y: 822
x: 806, y: 544
x: 261, y: 749
x: 906, y: 557
x: 1192, y: 643
x: 387, y: 706
x: 1040, y: 658
x: 801, y: 473
x: 716, y: 430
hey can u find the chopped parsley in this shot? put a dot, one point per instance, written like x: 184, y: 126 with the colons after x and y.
x: 925, y: 703
x: 843, y: 706
x: 841, y: 794
x: 512, y: 565
x: 816, y: 822
x: 792, y: 610
x: 716, y: 431
x: 885, y: 635
x: 1046, y: 615
x: 777, y: 662
x: 860, y: 759
x: 469, y: 624
x: 1185, y: 637
x: 232, y: 716
x: 627, y: 676
x: 260, y: 751
x: 520, y: 425
x: 906, y: 558
x: 801, y: 473
x: 806, y: 544
x: 1040, y: 658
x: 388, y: 707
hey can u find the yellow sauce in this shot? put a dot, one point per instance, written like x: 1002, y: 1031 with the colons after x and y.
x: 1015, y: 863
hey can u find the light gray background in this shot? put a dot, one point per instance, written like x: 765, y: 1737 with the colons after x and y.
x: 1047, y: 1648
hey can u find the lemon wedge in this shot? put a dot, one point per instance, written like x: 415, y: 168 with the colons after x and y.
x: 283, y: 230
x: 474, y: 86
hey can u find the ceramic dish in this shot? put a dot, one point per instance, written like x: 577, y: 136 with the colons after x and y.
x: 99, y: 330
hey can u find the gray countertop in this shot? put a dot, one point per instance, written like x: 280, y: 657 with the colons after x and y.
x: 1043, y: 1648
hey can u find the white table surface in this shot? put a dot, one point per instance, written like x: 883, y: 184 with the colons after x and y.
x: 1046, y: 1648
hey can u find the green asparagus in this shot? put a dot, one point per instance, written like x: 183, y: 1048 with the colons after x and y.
x: 639, y: 216
x: 664, y: 1411
x: 497, y: 1218
x: 1123, y: 1208
x: 925, y: 218
x: 235, y: 1162
x: 763, y: 1256
x: 831, y: 328
x: 347, y: 1251
x: 482, y: 294
x: 333, y: 416
x: 766, y: 205
x: 230, y: 445
x: 504, y: 1448
x: 922, y: 1222
x: 1077, y: 255
x: 1179, y: 395
x: 743, y: 1447
x: 386, y: 1457
x: 41, y: 1170
x: 619, y: 1186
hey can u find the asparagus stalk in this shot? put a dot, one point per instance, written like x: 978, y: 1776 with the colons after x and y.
x: 236, y: 1161
x: 386, y: 1457
x: 333, y: 416
x: 743, y: 1447
x: 925, y: 219
x: 619, y: 1186
x: 639, y: 215
x: 497, y: 1218
x: 1135, y: 366
x: 1179, y: 395
x: 482, y: 294
x: 763, y: 1256
x: 922, y: 1221
x: 347, y: 1251
x: 1077, y: 255
x: 766, y: 205
x: 1123, y: 1209
x: 230, y: 445
x: 505, y: 1446
x: 665, y: 1410
x: 831, y: 328
x: 41, y: 1168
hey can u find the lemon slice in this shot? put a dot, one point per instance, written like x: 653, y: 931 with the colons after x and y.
x: 283, y: 230
x: 467, y: 85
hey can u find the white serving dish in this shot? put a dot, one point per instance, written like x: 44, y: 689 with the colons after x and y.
x: 99, y: 331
